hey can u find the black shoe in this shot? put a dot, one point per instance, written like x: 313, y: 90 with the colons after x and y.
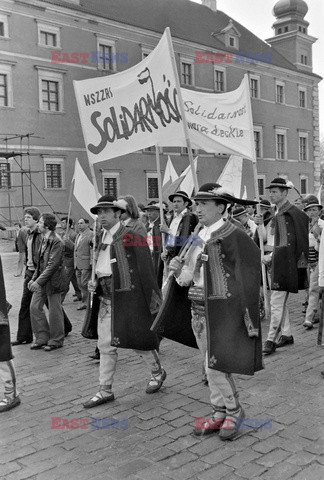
x: 285, y: 341
x: 269, y: 347
x: 20, y: 342
x: 95, y: 356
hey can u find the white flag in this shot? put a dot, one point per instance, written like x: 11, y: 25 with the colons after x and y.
x: 170, y: 174
x: 131, y: 110
x: 221, y: 123
x: 83, y: 189
x: 187, y: 185
x: 231, y: 176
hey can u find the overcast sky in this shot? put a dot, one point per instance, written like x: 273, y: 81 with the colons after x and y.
x: 256, y: 15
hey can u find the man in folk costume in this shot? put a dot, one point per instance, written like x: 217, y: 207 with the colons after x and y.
x: 182, y: 223
x: 223, y: 272
x: 288, y: 261
x: 128, y: 294
x: 7, y: 369
x: 313, y: 209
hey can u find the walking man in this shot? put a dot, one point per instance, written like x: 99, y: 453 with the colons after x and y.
x: 125, y: 280
x: 47, y: 285
x: 34, y: 240
x: 288, y: 261
x: 222, y: 270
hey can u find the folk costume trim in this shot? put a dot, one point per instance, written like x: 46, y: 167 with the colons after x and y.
x: 219, y: 285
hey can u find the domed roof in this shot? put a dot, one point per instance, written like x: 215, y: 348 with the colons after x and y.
x: 286, y: 7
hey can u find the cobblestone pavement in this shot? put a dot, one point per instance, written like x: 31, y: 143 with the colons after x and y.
x: 158, y: 443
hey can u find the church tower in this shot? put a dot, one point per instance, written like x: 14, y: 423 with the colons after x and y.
x: 291, y: 37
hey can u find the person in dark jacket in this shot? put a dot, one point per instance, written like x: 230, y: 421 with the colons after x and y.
x: 288, y: 260
x: 34, y: 240
x: 7, y: 369
x: 47, y: 284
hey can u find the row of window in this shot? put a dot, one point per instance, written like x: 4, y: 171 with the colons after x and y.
x: 54, y: 179
x: 51, y: 88
x: 106, y: 59
x: 281, y: 144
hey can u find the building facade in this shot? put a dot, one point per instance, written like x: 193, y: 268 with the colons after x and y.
x: 45, y: 45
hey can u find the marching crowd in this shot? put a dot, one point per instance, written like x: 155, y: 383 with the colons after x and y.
x: 193, y: 276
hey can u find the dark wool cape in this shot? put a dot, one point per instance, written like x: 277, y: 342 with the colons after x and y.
x: 290, y: 253
x: 5, y: 345
x: 135, y: 296
x: 231, y: 264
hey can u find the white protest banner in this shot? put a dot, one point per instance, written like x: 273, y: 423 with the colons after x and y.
x: 222, y: 122
x: 83, y: 189
x: 131, y: 110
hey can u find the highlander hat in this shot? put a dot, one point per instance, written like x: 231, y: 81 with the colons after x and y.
x: 181, y: 194
x: 312, y: 201
x: 237, y: 212
x: 107, y: 201
x: 279, y: 182
x: 214, y: 191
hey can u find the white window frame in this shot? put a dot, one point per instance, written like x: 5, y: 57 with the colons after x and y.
x: 48, y: 28
x: 281, y: 131
x: 302, y: 89
x: 6, y: 69
x: 263, y: 178
x: 150, y: 175
x: 191, y: 62
x: 228, y: 41
x: 107, y: 42
x: 57, y: 161
x: 305, y: 178
x: 303, y: 135
x: 223, y: 70
x: 259, y: 129
x: 108, y: 174
x: 5, y: 20
x: 51, y: 76
x: 257, y: 79
x: 280, y: 84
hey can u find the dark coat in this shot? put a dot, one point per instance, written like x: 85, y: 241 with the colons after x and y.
x: 50, y: 272
x: 69, y: 243
x: 137, y: 227
x: 186, y: 227
x: 232, y: 278
x: 290, y: 253
x: 232, y: 283
x: 5, y: 345
x: 135, y: 296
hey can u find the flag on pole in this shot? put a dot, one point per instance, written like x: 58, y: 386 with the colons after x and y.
x: 187, y: 184
x: 221, y: 123
x: 133, y: 109
x: 244, y: 196
x: 83, y: 189
x: 170, y: 174
x: 231, y: 176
